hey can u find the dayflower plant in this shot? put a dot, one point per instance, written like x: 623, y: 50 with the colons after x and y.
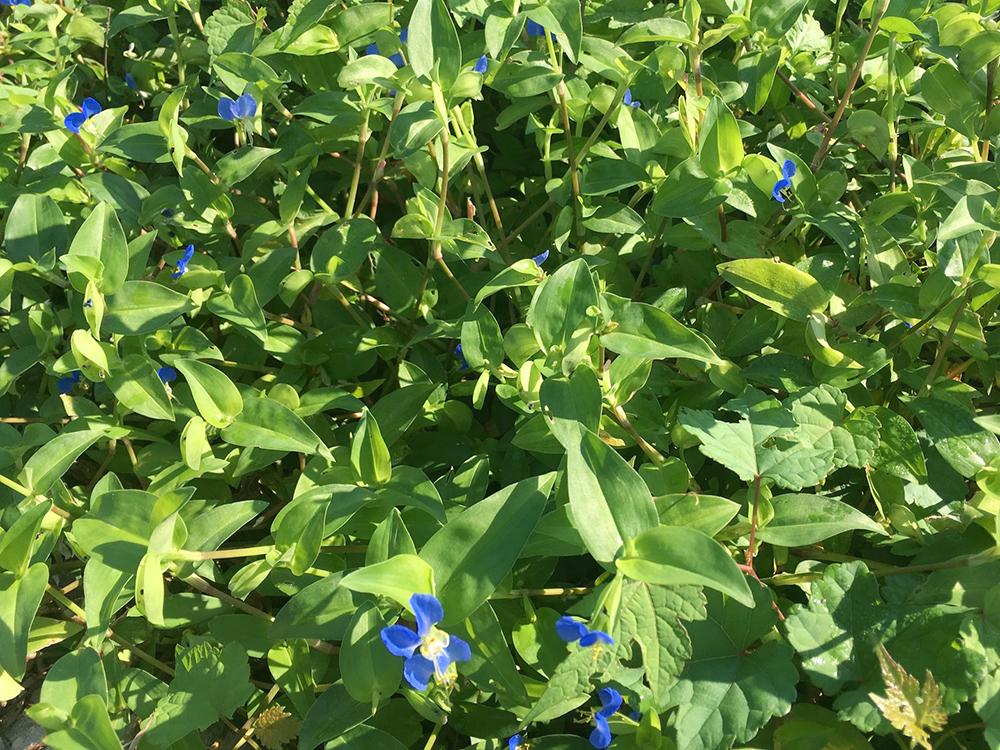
x: 785, y: 183
x: 611, y: 701
x: 182, y: 264
x: 430, y: 650
x: 167, y: 374
x: 517, y: 743
x: 541, y: 258
x: 482, y: 64
x: 396, y: 58
x: 573, y: 630
x: 15, y: 2
x: 65, y: 385
x: 536, y: 29
x: 629, y: 101
x: 463, y: 364
x: 76, y: 120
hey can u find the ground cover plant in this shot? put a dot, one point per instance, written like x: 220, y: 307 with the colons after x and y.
x: 482, y: 375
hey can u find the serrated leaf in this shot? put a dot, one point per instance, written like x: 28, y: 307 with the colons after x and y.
x: 651, y: 616
x: 275, y: 727
x: 570, y: 684
x: 729, y: 689
x: 830, y: 631
x: 913, y: 709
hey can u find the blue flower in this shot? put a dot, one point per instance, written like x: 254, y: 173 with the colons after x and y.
x: 182, y: 264
x: 611, y: 701
x: 130, y: 82
x: 167, y: 374
x: 536, y: 29
x: 458, y: 353
x: 572, y: 630
x: 404, y: 35
x: 243, y: 108
x: 785, y: 183
x: 372, y: 49
x: 397, y: 58
x: 75, y: 120
x: 429, y: 651
x: 541, y: 258
x: 514, y: 743
x: 481, y: 66
x: 89, y: 303
x: 15, y: 2
x: 65, y: 385
x: 629, y: 101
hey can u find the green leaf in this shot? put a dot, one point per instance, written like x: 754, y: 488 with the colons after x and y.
x: 720, y: 147
x: 241, y: 307
x: 830, y: 632
x: 559, y: 313
x: 819, y: 413
x: 800, y: 520
x: 604, y: 176
x: 651, y: 616
x: 54, y: 458
x: 89, y: 728
x: 143, y: 307
x: 491, y: 667
x: 647, y: 332
x: 761, y: 444
x: 239, y: 165
x: 35, y: 231
x: 476, y: 549
x: 16, y: 543
x: 976, y: 52
x: 434, y: 50
x: 340, y: 251
x: 783, y: 288
x: 870, y: 130
x: 290, y: 665
x: 75, y: 676
x: 103, y: 238
x: 570, y: 684
x: 369, y: 454
x: 218, y: 400
x: 706, y: 513
x: 265, y: 423
x: 675, y: 555
x: 369, y: 671
x: 19, y: 600
x: 731, y: 687
x: 398, y: 578
x: 138, y: 388
x: 333, y: 714
x: 953, y: 432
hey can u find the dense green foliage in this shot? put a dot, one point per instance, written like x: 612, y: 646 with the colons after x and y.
x: 723, y: 406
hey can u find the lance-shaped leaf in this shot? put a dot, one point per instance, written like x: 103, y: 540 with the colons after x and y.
x: 783, y: 288
x: 369, y: 454
x: 965, y: 445
x: 266, y: 423
x: 806, y: 519
x: 647, y: 332
x: 217, y: 399
x: 19, y: 600
x: 54, y: 458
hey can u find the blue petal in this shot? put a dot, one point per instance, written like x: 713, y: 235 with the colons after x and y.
x: 788, y: 169
x: 91, y: 107
x: 404, y: 35
x: 227, y: 109
x: 514, y: 742
x: 628, y: 97
x: 400, y: 640
x: 372, y: 49
x: 601, y: 736
x: 418, y: 670
x: 428, y: 611
x: 593, y: 636
x: 458, y: 650
x: 89, y: 303
x: 188, y: 254
x: 482, y: 64
x: 397, y: 59
x: 778, y: 187
x: 611, y: 701
x: 541, y: 258
x: 130, y: 82
x: 246, y: 107
x: 74, y: 121
x: 569, y: 629
x: 535, y: 29
x: 167, y: 374
x: 65, y: 385
x: 458, y: 350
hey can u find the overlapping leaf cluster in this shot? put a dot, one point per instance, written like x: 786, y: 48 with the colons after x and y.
x: 676, y: 319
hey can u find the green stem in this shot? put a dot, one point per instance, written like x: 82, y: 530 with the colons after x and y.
x: 824, y: 146
x: 19, y: 488
x: 178, y: 48
x: 945, y: 343
x: 356, y: 177
x: 434, y: 735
